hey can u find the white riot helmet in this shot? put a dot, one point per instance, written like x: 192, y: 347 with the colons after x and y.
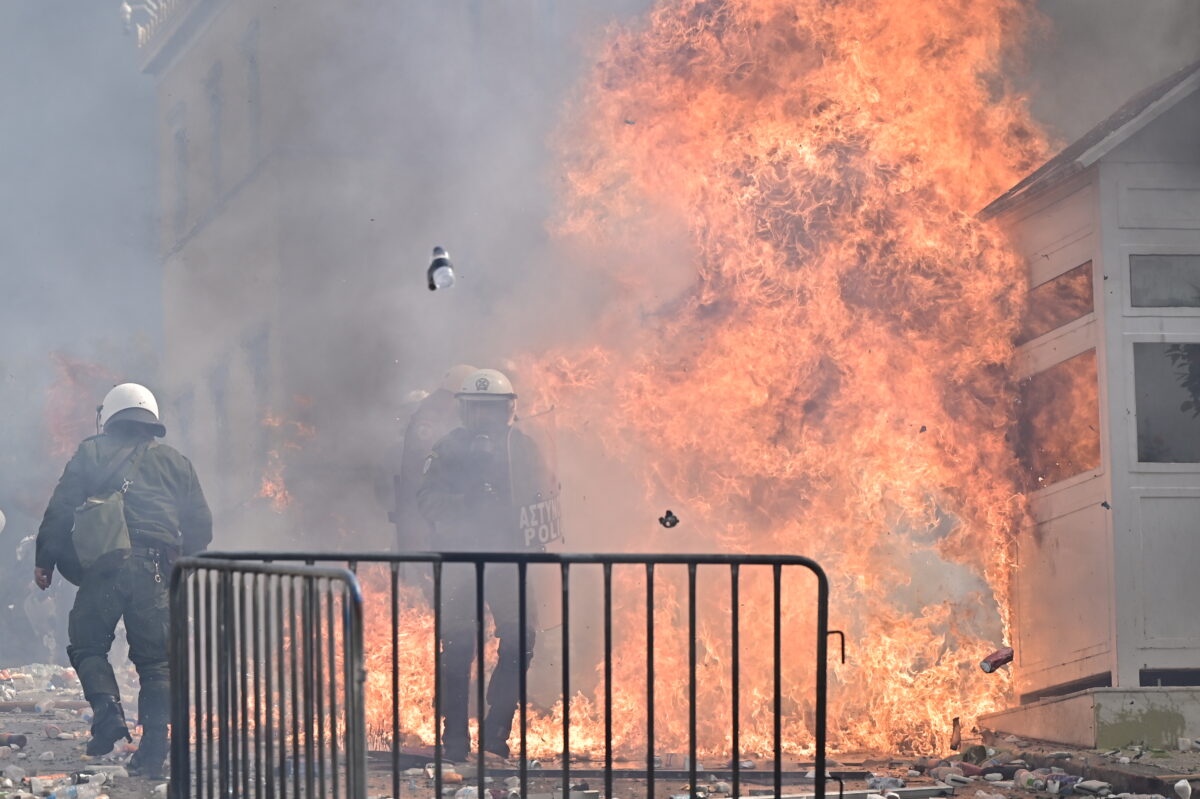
x: 486, y: 384
x: 130, y: 402
x: 486, y: 402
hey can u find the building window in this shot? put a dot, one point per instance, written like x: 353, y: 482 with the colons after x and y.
x: 1058, y: 426
x: 1164, y: 281
x: 1056, y: 302
x: 1166, y: 378
x: 212, y: 86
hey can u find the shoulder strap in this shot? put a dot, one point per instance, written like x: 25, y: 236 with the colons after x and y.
x: 134, y: 464
x: 114, y: 465
x: 117, y: 461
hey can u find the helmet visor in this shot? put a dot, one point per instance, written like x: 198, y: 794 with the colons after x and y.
x: 483, y: 414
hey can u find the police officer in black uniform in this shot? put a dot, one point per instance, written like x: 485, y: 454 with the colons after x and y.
x: 167, y: 515
x: 466, y: 495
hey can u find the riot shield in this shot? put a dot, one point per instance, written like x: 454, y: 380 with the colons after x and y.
x: 533, y: 470
x: 533, y: 476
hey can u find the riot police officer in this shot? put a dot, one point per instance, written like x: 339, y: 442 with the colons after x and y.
x: 166, y: 515
x: 466, y: 494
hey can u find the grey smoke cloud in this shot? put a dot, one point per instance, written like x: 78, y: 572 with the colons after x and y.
x: 432, y: 121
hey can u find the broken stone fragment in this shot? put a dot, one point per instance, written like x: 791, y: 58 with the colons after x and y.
x: 1096, y: 787
x: 46, y: 756
x: 884, y: 783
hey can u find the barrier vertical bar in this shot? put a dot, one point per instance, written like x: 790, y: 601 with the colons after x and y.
x: 776, y: 615
x: 608, y: 753
x: 180, y: 663
x: 320, y: 640
x: 691, y: 568
x: 295, y: 640
x: 210, y: 657
x: 233, y: 663
x: 333, y: 705
x: 281, y: 639
x: 395, y: 603
x: 522, y: 679
x: 355, y: 710
x: 736, y: 676
x: 244, y: 682
x: 481, y: 704
x: 437, y: 679
x: 566, y: 676
x: 199, y: 659
x: 256, y: 632
x: 306, y: 593
x: 822, y: 675
x: 268, y: 764
x: 650, y: 680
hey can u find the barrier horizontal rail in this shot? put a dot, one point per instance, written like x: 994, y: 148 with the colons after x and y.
x: 480, y: 560
x: 266, y: 681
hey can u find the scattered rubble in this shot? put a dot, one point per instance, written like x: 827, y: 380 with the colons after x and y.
x: 44, y: 722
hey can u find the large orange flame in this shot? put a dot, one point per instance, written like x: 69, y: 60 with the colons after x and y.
x: 808, y: 349
x: 289, y: 434
x: 832, y: 374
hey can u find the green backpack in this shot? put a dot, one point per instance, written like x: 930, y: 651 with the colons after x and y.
x: 100, y: 527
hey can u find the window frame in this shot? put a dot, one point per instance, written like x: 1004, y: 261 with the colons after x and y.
x: 1126, y: 263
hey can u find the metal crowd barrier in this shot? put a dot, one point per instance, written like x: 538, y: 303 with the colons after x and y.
x: 266, y: 681
x: 523, y: 561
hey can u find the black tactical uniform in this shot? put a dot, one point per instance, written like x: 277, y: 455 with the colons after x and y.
x: 466, y: 495
x: 167, y: 516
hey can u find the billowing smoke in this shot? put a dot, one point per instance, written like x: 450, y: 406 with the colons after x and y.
x: 285, y: 311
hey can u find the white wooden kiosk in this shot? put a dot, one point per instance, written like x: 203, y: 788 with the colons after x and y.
x: 1107, y: 593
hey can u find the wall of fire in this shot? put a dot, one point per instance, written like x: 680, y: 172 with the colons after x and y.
x: 1106, y: 590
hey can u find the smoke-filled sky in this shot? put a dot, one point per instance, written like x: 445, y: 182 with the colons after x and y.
x: 79, y: 248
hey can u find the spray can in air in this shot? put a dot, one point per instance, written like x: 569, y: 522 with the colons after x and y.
x: 996, y: 659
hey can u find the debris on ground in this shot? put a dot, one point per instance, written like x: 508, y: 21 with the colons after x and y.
x: 44, y: 729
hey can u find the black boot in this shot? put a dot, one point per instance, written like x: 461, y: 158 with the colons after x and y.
x: 108, y: 724
x: 154, y: 710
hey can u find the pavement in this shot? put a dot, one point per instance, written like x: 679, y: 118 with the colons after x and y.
x: 44, y: 704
